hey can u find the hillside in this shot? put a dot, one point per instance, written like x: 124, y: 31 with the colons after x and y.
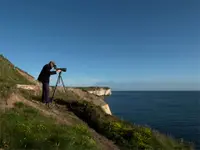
x: 72, y: 122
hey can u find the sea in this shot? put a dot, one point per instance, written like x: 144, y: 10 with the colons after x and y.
x: 175, y: 113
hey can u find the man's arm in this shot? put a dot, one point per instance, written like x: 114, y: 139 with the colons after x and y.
x: 52, y: 72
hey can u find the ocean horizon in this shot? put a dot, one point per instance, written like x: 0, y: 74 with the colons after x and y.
x: 174, y: 113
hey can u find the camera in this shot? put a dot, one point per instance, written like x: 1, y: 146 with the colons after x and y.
x: 62, y: 69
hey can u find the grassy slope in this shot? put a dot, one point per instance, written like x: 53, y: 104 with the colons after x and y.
x: 9, y: 77
x: 25, y: 128
x: 124, y: 134
x: 8, y: 73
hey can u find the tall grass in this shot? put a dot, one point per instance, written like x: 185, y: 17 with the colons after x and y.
x: 9, y: 77
x: 9, y: 74
x: 25, y: 128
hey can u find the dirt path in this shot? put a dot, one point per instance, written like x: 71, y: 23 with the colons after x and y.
x: 49, y: 112
x: 62, y: 116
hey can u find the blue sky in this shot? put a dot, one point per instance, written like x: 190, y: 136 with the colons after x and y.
x: 127, y: 45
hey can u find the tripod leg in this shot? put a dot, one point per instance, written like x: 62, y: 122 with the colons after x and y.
x: 55, y: 87
x: 63, y: 83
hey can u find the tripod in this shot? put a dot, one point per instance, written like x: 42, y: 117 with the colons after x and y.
x: 58, y: 81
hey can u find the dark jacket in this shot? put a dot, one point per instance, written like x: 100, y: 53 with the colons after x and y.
x: 45, y: 74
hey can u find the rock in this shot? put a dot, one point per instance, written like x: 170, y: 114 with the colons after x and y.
x: 101, y: 92
x: 106, y: 109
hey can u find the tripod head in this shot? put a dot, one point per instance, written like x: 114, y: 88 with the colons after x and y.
x: 59, y: 75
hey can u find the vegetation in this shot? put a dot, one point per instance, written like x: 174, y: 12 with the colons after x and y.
x: 5, y: 89
x: 9, y: 77
x: 124, y: 134
x: 25, y: 128
x: 25, y: 72
x: 9, y: 74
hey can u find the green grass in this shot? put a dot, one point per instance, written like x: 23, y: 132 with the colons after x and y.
x: 125, y: 134
x: 9, y: 77
x: 5, y: 89
x: 9, y: 74
x: 25, y: 128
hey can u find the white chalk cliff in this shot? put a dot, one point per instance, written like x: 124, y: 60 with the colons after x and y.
x: 101, y: 92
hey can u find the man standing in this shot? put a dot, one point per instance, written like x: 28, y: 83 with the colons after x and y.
x: 44, y: 77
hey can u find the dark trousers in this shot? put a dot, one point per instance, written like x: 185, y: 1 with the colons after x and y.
x: 45, y: 92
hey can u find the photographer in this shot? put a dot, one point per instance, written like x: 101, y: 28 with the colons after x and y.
x: 44, y: 77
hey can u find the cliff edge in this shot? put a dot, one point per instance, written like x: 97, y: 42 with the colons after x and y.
x: 99, y: 91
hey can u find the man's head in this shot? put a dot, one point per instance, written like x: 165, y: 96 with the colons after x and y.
x: 52, y: 64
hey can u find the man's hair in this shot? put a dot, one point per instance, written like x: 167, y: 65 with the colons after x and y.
x: 52, y: 62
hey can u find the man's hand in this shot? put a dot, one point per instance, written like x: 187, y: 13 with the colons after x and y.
x: 58, y: 71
